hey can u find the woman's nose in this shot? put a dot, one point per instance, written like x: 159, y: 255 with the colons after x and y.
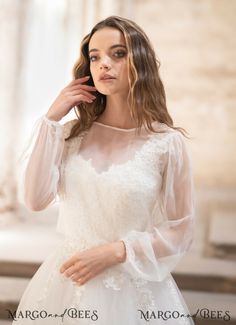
x: 104, y: 63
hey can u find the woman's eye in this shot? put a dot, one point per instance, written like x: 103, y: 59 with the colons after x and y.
x: 120, y: 53
x: 91, y: 58
x: 117, y: 54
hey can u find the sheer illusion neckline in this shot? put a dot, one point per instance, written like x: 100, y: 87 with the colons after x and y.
x: 113, y: 166
x: 119, y: 129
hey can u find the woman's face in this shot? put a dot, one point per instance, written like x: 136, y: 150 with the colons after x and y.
x: 108, y: 54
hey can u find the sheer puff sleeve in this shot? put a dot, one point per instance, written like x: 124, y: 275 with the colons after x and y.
x: 43, y: 158
x: 152, y: 255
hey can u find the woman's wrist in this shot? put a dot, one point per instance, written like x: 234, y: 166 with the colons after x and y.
x: 52, y: 117
x: 119, y: 251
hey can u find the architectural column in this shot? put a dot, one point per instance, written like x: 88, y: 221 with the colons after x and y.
x: 12, y: 14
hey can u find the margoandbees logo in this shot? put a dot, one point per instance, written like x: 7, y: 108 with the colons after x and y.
x: 43, y: 314
x: 204, y: 313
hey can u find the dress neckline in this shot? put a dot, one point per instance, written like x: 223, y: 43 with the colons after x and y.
x: 119, y: 129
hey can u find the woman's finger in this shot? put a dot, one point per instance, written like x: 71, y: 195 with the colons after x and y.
x: 71, y: 270
x: 77, y: 268
x: 80, y: 80
x: 84, y: 279
x: 82, y: 92
x: 82, y: 86
x: 80, y: 98
x: 79, y: 274
x: 70, y: 262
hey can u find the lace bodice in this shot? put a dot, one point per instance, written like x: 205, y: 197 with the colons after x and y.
x: 115, y: 185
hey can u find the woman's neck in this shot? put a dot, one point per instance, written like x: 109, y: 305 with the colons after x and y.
x: 117, y: 113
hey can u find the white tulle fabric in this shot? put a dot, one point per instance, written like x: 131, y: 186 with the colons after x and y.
x: 113, y: 184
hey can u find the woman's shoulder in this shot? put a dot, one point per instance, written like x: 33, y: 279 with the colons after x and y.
x: 165, y: 131
x: 167, y: 138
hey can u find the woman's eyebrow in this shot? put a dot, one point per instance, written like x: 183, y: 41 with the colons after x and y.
x: 112, y: 47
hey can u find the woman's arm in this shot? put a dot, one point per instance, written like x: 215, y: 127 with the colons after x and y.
x: 41, y: 175
x: 153, y: 255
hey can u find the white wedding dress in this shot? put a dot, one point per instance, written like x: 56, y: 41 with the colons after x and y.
x: 112, y: 185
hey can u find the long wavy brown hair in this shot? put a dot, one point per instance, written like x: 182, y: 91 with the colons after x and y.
x: 146, y: 97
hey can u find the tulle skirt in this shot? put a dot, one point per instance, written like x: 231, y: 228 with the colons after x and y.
x: 110, y: 298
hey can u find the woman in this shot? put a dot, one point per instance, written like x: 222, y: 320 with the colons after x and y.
x: 124, y: 179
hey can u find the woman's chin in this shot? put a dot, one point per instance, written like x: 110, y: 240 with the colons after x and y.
x: 106, y: 92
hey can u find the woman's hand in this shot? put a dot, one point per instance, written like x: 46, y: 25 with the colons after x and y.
x: 70, y: 96
x: 86, y: 264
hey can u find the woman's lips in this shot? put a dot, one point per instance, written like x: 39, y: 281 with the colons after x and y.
x: 107, y: 80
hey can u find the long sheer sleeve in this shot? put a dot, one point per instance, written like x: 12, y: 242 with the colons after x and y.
x: 42, y: 172
x: 153, y: 254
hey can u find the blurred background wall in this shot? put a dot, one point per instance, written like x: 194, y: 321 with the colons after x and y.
x: 195, y: 43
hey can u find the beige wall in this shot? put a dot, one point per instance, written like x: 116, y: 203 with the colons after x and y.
x: 195, y: 43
